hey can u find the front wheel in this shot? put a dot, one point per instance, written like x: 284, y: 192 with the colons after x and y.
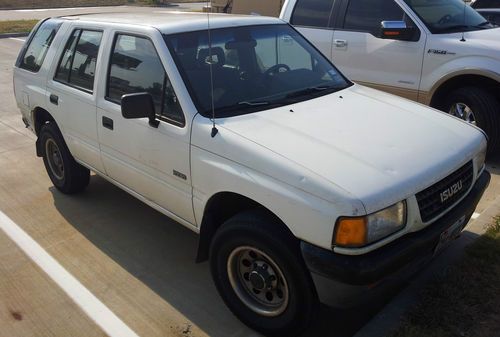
x: 259, y: 272
x: 478, y: 107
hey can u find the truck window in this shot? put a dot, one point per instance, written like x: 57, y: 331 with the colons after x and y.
x: 78, y: 62
x: 312, y: 13
x: 136, y: 67
x: 366, y: 15
x: 34, y: 55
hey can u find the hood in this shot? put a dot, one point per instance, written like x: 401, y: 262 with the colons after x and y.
x: 369, y: 143
x: 481, y: 43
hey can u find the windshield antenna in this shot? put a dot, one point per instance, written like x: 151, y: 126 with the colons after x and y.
x: 210, y: 61
x: 465, y: 19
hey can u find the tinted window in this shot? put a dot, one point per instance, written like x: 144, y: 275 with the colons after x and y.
x: 367, y: 15
x: 77, y: 65
x: 39, y: 45
x: 313, y: 13
x: 253, y: 68
x: 136, y: 67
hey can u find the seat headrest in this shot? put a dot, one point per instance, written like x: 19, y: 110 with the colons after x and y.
x: 218, y: 57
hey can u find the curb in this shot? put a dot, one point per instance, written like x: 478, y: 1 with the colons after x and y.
x: 7, y: 35
x: 389, y: 318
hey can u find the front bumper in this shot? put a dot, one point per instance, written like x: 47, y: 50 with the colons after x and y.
x: 409, y: 252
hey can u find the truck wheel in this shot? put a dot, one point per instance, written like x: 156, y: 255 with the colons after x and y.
x: 260, y: 274
x: 479, y: 107
x: 65, y: 173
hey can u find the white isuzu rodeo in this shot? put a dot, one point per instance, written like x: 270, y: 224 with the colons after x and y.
x: 440, y: 53
x: 299, y: 182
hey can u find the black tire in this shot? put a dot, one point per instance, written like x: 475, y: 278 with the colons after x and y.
x: 258, y: 230
x: 66, y: 174
x: 486, y: 110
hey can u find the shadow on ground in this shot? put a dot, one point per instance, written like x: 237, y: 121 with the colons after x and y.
x: 161, y: 253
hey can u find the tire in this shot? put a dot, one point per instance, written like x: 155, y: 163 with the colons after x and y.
x: 486, y: 110
x: 66, y: 174
x: 256, y: 232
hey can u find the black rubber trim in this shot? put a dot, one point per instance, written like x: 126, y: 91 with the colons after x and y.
x: 387, y: 260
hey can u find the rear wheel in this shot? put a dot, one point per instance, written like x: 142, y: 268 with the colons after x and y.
x: 259, y: 272
x: 479, y: 107
x: 65, y: 173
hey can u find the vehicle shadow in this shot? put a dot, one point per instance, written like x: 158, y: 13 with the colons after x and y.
x: 160, y: 253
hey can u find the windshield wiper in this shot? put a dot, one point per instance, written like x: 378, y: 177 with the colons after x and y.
x: 310, y: 90
x: 253, y: 103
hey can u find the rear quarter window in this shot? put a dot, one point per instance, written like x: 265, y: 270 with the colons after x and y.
x: 34, y: 54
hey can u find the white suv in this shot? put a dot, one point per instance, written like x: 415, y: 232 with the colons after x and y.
x: 440, y: 53
x: 300, y: 183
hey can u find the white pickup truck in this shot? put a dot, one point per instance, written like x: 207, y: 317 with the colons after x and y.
x: 300, y: 183
x: 440, y: 53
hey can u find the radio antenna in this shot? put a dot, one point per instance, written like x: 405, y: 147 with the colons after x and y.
x: 465, y: 19
x: 210, y: 61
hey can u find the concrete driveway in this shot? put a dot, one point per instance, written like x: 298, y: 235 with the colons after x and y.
x: 138, y: 263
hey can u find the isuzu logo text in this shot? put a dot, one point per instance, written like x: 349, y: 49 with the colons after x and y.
x: 451, y: 191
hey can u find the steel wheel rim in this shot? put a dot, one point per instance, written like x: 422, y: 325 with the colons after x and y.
x: 464, y: 112
x: 258, y: 281
x: 54, y: 158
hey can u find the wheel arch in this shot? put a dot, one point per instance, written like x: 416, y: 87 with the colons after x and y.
x: 40, y: 116
x: 484, y: 79
x: 221, y: 207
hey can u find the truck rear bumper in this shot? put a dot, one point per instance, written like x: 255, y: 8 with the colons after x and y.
x: 338, y: 278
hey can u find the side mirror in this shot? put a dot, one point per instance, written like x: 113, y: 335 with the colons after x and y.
x: 139, y: 105
x: 396, y: 30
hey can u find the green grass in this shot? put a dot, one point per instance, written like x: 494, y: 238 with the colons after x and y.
x: 17, y: 26
x: 465, y: 300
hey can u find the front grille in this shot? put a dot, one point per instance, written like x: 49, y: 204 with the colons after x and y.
x: 439, y: 197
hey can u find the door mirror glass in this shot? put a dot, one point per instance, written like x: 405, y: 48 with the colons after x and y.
x: 139, y: 105
x: 396, y: 30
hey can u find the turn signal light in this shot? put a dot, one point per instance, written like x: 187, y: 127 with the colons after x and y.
x: 351, y: 232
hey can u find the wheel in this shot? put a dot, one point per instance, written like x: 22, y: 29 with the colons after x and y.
x: 479, y: 107
x: 260, y: 274
x: 65, y: 173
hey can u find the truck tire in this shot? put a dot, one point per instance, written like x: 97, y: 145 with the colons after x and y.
x: 66, y: 174
x: 259, y: 272
x: 480, y: 107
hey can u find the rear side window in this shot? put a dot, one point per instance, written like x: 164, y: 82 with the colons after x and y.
x: 78, y: 62
x: 312, y: 13
x: 367, y: 15
x: 34, y: 55
x: 136, y: 67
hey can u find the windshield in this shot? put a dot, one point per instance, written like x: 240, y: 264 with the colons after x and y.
x: 448, y: 16
x: 253, y: 68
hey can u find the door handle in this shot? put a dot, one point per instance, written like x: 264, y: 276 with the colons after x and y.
x: 107, y: 122
x: 340, y: 43
x: 54, y: 99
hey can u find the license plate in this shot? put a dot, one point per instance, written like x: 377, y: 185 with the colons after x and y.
x: 450, y: 234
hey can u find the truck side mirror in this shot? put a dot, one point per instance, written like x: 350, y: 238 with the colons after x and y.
x: 139, y: 105
x: 396, y: 30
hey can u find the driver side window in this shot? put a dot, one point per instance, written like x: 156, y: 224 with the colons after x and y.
x: 367, y: 15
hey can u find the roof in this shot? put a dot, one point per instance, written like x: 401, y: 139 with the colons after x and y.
x: 176, y: 22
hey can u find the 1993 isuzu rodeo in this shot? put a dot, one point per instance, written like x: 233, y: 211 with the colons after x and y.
x: 298, y: 181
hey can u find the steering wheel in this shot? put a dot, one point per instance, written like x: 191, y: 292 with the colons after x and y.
x: 445, y: 19
x: 276, y: 68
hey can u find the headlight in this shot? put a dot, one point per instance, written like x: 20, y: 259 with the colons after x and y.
x: 360, y: 231
x: 480, y: 159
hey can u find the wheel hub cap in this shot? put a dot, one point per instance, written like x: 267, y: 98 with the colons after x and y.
x: 464, y: 112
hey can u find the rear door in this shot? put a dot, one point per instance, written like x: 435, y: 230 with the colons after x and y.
x: 313, y: 19
x: 360, y: 52
x: 72, y: 95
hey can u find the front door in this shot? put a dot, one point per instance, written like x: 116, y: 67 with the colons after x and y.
x: 152, y: 162
x: 364, y: 57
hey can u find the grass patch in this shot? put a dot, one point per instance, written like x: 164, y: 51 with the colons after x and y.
x: 465, y: 300
x: 17, y: 26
